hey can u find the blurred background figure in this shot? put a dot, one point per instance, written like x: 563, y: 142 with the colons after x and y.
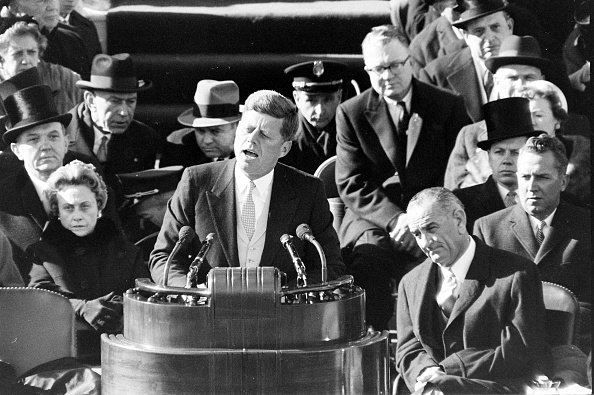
x: 70, y: 16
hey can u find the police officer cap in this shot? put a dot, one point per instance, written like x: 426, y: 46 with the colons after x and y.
x: 319, y: 76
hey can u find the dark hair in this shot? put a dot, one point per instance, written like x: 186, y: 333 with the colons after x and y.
x: 384, y: 34
x: 76, y: 173
x: 20, y: 29
x: 275, y: 105
x: 544, y: 143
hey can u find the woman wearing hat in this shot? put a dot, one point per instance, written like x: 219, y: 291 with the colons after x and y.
x: 81, y: 254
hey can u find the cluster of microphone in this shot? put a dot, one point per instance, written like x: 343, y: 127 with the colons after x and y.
x: 187, y: 235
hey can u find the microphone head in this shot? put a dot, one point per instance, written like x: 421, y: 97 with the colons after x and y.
x: 285, y: 238
x: 209, y: 237
x: 303, y: 231
x: 186, y: 234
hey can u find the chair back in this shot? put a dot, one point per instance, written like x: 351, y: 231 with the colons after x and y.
x: 36, y: 326
x: 325, y: 172
x: 562, y: 314
x: 146, y: 245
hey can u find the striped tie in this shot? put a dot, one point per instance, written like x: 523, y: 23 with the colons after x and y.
x: 248, y: 213
x: 540, y: 232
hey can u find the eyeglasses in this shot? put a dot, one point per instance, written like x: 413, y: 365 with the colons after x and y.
x: 394, y: 67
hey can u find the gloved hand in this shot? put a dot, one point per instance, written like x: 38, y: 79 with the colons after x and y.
x: 104, y: 314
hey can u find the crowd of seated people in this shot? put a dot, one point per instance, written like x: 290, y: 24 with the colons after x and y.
x: 474, y: 96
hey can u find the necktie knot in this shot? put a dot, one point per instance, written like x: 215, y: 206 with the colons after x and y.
x: 403, y: 117
x: 510, y: 198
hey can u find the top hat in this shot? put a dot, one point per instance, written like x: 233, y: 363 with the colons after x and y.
x: 30, y: 107
x: 215, y: 103
x: 317, y: 76
x: 519, y: 50
x: 150, y: 182
x: 506, y: 119
x: 17, y: 82
x: 475, y: 9
x: 114, y: 74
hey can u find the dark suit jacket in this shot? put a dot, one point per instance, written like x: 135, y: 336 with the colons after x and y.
x: 367, y: 155
x: 22, y: 216
x: 205, y: 201
x: 563, y: 257
x: 495, y: 331
x: 435, y: 40
x: 456, y: 72
x: 66, y: 47
x: 87, y: 30
x: 480, y: 200
x: 310, y: 148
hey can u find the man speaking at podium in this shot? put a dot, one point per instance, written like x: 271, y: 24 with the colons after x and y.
x: 248, y: 203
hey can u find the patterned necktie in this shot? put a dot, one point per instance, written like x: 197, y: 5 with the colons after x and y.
x: 488, y: 82
x: 102, y: 150
x: 446, y: 296
x: 403, y: 118
x: 248, y: 213
x: 540, y: 232
x: 510, y: 199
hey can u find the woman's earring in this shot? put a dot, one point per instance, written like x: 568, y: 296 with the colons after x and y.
x: 99, y: 214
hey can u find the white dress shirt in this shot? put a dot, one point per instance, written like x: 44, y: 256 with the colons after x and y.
x: 98, y: 137
x: 250, y: 251
x: 459, y: 268
x: 503, y: 191
x: 534, y: 222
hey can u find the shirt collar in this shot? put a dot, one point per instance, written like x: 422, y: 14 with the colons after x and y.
x: 460, y: 267
x: 407, y: 99
x: 503, y: 191
x: 99, y: 135
x: 242, y: 181
x: 534, y: 222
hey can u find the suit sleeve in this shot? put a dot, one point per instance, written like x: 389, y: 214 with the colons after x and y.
x: 321, y: 225
x: 522, y: 351
x: 356, y: 186
x: 478, y: 231
x: 411, y: 357
x: 179, y: 213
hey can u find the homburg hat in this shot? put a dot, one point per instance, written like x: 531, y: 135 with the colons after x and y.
x: 519, y: 50
x: 507, y: 118
x: 30, y: 107
x: 317, y: 76
x: 115, y: 73
x: 475, y: 9
x: 215, y: 103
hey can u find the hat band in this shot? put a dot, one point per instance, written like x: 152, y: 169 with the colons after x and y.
x: 114, y: 82
x: 224, y: 110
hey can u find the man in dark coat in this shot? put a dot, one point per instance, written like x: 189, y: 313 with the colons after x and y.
x: 103, y: 126
x: 85, y: 28
x: 249, y: 202
x: 317, y: 91
x: 470, y: 318
x: 385, y: 156
x: 509, y: 125
x: 209, y: 126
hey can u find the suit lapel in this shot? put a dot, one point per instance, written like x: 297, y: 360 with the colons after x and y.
x: 473, y: 284
x: 283, y: 204
x: 221, y: 200
x: 424, y: 303
x: 469, y: 89
x: 520, y: 226
x: 378, y: 116
x: 559, y: 229
x: 31, y: 203
x: 493, y: 200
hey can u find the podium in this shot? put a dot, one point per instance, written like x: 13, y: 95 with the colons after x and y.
x: 245, y: 333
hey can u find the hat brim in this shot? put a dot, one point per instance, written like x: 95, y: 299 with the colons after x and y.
x: 187, y: 118
x: 11, y: 134
x: 486, y: 144
x: 463, y: 22
x: 497, y: 61
x: 141, y: 87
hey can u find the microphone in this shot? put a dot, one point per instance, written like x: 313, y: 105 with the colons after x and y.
x: 199, y: 259
x: 287, y: 242
x: 186, y: 235
x: 304, y: 233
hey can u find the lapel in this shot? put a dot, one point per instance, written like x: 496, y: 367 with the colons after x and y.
x: 423, y: 301
x: 560, y: 227
x: 379, y: 118
x: 520, y: 226
x: 491, y: 198
x: 31, y: 203
x: 283, y: 204
x: 221, y: 200
x: 473, y: 284
x: 464, y: 81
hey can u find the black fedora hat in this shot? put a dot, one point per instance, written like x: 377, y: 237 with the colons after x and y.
x: 114, y: 73
x: 474, y: 9
x: 506, y: 119
x: 30, y: 107
x: 519, y: 50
